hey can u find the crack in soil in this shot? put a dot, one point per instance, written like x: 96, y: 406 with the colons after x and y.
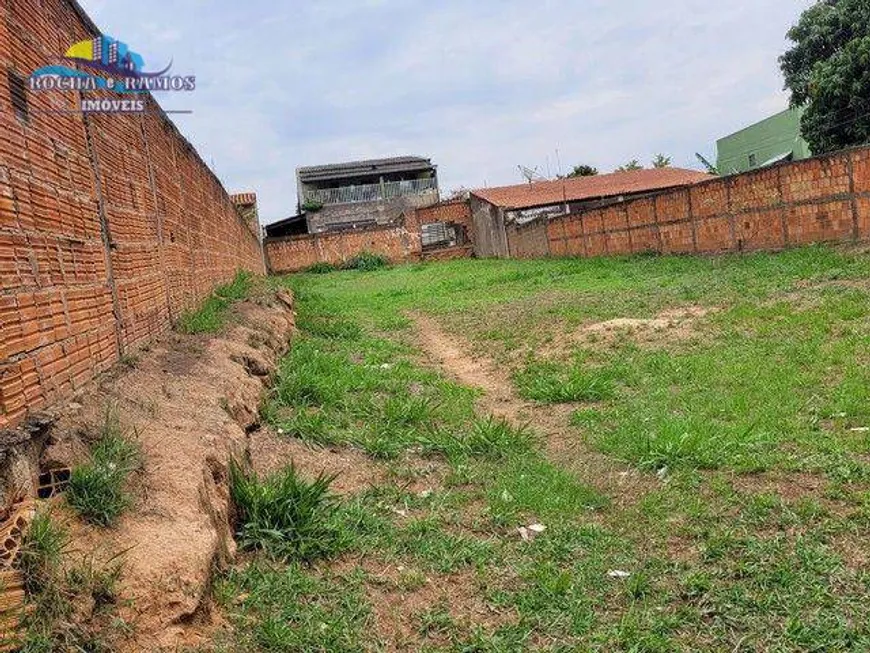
x: 563, y: 444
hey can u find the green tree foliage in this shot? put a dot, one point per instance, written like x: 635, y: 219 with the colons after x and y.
x: 583, y: 171
x: 828, y: 69
x: 661, y: 161
x: 634, y: 164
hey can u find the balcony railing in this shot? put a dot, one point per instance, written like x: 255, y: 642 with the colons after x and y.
x: 371, y: 192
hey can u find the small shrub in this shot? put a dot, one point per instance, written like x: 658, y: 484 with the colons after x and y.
x: 321, y: 268
x: 312, y: 206
x: 283, y: 514
x: 366, y: 262
x: 97, y: 489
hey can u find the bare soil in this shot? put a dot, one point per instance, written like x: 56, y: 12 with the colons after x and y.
x: 401, y: 596
x: 676, y: 324
x: 353, y: 469
x: 189, y: 401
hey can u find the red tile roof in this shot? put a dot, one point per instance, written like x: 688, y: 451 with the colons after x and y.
x: 542, y: 193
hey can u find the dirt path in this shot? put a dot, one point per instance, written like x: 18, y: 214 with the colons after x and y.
x: 564, y: 444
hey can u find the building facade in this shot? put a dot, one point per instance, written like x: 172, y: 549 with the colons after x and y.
x: 770, y: 141
x: 363, y: 194
x: 498, y: 213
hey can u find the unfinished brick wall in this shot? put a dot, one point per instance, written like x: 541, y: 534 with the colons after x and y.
x: 455, y: 212
x: 399, y: 243
x: 295, y: 253
x: 826, y: 199
x: 110, y: 226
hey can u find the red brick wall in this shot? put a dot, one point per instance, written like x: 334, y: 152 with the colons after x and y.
x: 110, y: 225
x: 528, y: 240
x: 295, y: 253
x: 398, y: 243
x: 826, y: 199
x: 456, y: 211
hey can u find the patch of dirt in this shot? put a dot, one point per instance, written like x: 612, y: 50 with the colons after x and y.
x: 666, y: 327
x: 401, y: 596
x: 792, y: 486
x: 564, y: 444
x: 189, y: 402
x: 353, y: 469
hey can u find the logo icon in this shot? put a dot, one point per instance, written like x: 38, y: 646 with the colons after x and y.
x: 106, y: 64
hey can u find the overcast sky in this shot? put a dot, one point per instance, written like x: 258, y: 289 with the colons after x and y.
x: 480, y: 87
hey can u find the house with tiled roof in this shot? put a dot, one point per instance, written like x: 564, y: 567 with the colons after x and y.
x: 495, y: 209
x: 366, y: 193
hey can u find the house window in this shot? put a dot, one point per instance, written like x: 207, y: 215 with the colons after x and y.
x: 18, y: 94
x: 753, y: 161
x: 438, y: 234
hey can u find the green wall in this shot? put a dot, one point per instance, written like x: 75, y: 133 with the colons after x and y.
x: 753, y: 146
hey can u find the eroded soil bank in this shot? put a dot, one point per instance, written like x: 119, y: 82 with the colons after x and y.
x: 190, y: 402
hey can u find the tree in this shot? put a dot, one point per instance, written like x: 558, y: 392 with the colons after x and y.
x: 828, y: 70
x: 634, y: 164
x: 661, y: 161
x: 583, y: 171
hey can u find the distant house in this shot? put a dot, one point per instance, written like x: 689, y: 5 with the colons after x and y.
x: 493, y: 210
x: 295, y: 225
x: 770, y: 141
x: 367, y: 193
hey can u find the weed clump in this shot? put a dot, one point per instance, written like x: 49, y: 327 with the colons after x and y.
x: 69, y: 609
x: 283, y: 514
x: 485, y: 438
x: 366, y: 262
x: 550, y: 383
x: 97, y: 489
x: 321, y: 268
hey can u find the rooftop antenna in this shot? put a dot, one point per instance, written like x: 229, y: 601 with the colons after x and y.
x: 529, y: 174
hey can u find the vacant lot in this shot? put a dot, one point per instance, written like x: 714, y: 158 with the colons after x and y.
x: 693, y: 434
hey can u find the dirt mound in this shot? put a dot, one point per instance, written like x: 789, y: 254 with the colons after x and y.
x: 190, y: 401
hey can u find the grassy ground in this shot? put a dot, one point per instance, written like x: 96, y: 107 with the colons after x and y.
x: 212, y: 315
x: 744, y: 413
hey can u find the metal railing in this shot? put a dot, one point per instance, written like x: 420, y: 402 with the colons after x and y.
x: 371, y: 192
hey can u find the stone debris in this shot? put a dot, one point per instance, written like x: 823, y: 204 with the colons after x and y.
x: 528, y: 533
x: 618, y: 573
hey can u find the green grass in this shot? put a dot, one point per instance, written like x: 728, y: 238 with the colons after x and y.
x: 98, y: 489
x: 294, y: 610
x: 745, y: 531
x: 212, y: 315
x: 71, y: 607
x: 283, y: 514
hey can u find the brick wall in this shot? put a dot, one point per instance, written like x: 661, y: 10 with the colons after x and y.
x: 399, y: 243
x: 295, y: 253
x: 456, y: 212
x: 825, y: 199
x: 110, y: 226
